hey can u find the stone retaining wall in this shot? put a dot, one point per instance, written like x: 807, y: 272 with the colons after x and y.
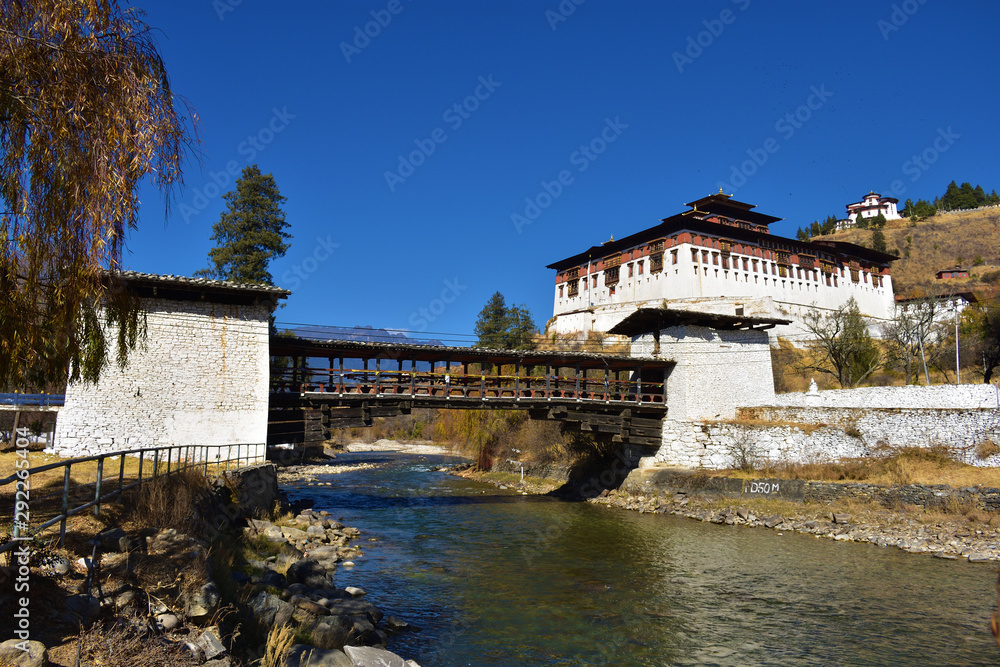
x: 963, y: 396
x: 811, y: 435
x: 665, y: 480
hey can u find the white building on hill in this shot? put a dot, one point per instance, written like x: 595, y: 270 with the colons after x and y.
x: 871, y: 206
x: 720, y: 257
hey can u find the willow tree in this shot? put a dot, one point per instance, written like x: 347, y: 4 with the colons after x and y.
x: 86, y: 113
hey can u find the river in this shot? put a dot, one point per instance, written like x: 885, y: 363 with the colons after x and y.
x: 494, y: 578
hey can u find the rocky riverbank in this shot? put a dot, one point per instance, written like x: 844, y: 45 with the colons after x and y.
x: 941, y: 537
x: 950, y: 536
x: 225, y: 594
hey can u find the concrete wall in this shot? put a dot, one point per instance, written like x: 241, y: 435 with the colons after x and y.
x: 201, y: 378
x: 716, y: 371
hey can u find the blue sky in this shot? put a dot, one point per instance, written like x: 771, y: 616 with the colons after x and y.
x: 433, y: 153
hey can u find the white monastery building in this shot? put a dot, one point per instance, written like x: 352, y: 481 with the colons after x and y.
x: 719, y: 257
x: 199, y: 378
x: 871, y: 206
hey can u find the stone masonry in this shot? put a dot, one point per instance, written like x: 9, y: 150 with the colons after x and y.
x: 200, y: 377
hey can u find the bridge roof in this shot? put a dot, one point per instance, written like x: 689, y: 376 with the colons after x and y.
x: 286, y: 346
x: 646, y: 320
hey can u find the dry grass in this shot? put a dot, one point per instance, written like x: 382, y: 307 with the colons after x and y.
x: 907, y: 465
x: 279, y: 640
x: 122, y: 645
x: 986, y: 449
x: 934, y: 244
x: 173, y: 501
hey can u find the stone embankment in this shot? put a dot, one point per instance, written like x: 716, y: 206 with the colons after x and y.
x: 951, y: 539
x: 225, y: 587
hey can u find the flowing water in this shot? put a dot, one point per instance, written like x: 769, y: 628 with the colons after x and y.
x: 494, y: 578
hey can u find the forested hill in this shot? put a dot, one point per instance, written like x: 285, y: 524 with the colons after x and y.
x: 970, y: 239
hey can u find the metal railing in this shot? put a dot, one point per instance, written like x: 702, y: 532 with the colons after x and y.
x: 165, y: 461
x: 33, y: 400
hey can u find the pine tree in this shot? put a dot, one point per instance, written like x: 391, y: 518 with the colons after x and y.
x: 980, y: 195
x: 501, y: 328
x: 949, y: 201
x: 491, y: 327
x: 251, y: 233
x: 878, y: 239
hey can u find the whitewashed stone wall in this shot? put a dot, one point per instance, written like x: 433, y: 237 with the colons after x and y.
x: 967, y: 396
x: 827, y: 434
x: 200, y: 378
x: 716, y: 372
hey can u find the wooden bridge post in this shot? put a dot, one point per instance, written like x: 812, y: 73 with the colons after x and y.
x: 341, y: 382
x: 517, y: 380
x: 578, y: 382
x: 548, y: 382
x: 413, y: 377
x: 378, y: 371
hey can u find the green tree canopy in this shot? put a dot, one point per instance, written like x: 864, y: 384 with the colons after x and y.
x: 502, y: 328
x: 250, y: 233
x: 86, y: 113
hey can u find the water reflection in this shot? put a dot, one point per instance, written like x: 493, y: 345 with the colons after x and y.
x: 500, y: 579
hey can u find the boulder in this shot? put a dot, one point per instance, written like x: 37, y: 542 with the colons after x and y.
x: 355, y: 592
x: 310, y: 572
x: 301, y: 655
x: 367, y: 656
x: 269, y: 609
x: 273, y: 579
x: 12, y: 653
x: 203, y: 601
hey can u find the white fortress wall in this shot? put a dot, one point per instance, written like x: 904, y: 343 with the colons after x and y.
x: 200, y: 377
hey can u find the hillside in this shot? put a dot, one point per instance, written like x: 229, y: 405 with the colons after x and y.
x: 968, y: 238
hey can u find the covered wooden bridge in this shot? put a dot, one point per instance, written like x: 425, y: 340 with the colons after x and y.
x: 317, y: 386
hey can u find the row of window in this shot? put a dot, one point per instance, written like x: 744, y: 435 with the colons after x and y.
x: 613, y: 274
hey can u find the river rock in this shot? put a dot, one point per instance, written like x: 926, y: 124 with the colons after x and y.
x: 294, y: 534
x: 11, y: 654
x: 331, y: 631
x: 301, y: 655
x: 773, y: 521
x: 841, y: 518
x: 269, y: 609
x: 307, y: 605
x: 203, y: 602
x: 273, y: 579
x: 210, y: 645
x: 979, y: 557
x: 309, y: 572
x: 397, y: 624
x: 167, y: 622
x: 367, y: 656
x: 354, y: 591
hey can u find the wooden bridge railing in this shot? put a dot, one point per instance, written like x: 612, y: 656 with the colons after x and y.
x: 345, y: 382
